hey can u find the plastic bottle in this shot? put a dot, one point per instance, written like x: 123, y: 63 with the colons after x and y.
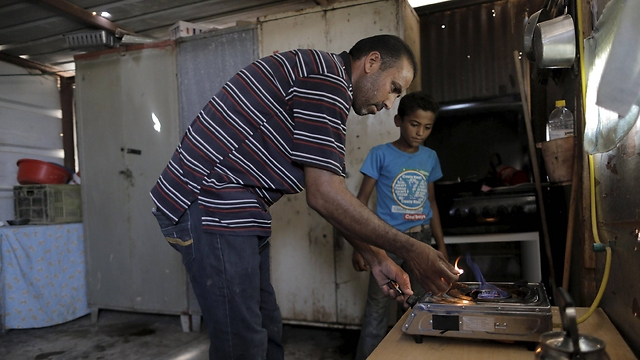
x: 560, y: 122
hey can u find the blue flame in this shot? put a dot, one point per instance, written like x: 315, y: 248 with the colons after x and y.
x: 487, y: 291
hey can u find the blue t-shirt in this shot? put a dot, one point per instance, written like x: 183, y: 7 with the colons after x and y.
x: 402, y: 183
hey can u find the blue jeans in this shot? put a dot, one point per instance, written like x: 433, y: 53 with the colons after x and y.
x: 230, y: 276
x: 375, y: 321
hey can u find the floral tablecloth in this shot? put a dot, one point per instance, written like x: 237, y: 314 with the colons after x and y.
x: 42, y: 275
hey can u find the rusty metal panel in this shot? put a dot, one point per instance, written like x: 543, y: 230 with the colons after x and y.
x: 467, y: 52
x: 311, y: 267
x: 618, y: 211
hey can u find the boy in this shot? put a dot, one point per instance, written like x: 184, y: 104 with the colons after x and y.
x: 402, y: 173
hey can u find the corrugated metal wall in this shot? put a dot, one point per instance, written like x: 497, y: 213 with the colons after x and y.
x: 467, y: 52
x: 30, y: 125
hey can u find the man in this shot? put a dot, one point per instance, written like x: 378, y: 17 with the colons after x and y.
x: 278, y: 127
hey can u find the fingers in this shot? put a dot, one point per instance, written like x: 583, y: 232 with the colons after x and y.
x: 396, y: 291
x: 358, y: 262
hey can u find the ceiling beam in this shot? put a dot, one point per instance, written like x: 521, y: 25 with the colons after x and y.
x: 325, y: 3
x: 87, y: 17
x: 30, y: 64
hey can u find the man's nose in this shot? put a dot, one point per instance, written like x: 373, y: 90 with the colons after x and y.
x: 388, y: 103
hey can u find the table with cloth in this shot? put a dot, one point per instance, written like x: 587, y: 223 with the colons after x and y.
x: 42, y: 275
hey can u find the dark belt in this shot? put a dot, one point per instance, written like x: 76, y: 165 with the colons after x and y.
x: 418, y: 228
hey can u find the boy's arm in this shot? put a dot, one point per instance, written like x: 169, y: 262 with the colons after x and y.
x: 436, y: 226
x: 366, y: 189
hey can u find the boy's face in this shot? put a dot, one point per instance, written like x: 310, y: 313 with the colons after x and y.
x: 415, y: 127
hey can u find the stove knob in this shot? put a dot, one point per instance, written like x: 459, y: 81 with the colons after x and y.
x: 488, y: 212
x: 502, y: 211
x: 517, y: 210
x: 461, y: 213
x: 473, y: 212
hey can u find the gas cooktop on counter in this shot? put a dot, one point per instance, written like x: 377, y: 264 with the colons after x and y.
x: 518, y: 311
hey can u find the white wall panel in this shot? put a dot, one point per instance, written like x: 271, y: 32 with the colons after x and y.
x: 30, y: 125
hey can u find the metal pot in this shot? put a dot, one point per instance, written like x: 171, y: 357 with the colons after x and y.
x: 568, y: 344
x: 528, y: 34
x: 555, y: 43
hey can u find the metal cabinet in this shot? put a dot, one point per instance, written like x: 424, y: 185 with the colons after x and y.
x: 311, y: 266
x: 132, y: 108
x: 126, y: 105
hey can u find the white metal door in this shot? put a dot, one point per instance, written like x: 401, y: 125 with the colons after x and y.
x: 129, y: 265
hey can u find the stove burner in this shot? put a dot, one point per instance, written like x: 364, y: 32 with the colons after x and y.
x: 468, y: 293
x: 488, y: 294
x: 487, y: 291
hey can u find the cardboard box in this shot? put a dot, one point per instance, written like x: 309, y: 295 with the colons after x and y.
x: 183, y: 28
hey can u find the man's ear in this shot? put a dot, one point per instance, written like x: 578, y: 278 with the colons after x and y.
x: 372, y: 62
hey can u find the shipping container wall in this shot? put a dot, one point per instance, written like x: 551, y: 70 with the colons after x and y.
x: 30, y: 125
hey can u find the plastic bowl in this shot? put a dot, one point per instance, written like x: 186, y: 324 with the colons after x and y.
x: 32, y: 171
x: 18, y: 222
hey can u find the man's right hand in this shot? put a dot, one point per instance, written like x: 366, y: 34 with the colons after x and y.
x: 431, y: 269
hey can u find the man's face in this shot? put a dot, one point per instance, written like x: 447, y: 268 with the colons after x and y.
x: 378, y: 89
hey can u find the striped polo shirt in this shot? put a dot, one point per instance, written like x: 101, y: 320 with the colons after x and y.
x: 248, y: 146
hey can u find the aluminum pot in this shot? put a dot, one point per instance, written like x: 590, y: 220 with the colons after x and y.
x: 555, y: 42
x: 569, y: 344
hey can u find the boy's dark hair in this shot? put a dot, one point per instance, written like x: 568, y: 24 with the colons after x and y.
x: 391, y: 48
x: 417, y: 100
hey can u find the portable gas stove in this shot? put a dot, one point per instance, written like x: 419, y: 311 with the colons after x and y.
x: 517, y: 311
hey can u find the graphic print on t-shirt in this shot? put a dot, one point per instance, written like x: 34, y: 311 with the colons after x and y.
x: 410, y: 192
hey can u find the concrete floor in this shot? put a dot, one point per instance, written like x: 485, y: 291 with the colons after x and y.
x: 125, y: 335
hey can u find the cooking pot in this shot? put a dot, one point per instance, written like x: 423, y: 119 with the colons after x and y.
x: 555, y: 43
x: 529, y: 31
x: 550, y: 9
x: 568, y: 344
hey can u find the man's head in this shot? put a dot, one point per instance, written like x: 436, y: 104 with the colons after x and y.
x: 416, y: 115
x: 383, y: 67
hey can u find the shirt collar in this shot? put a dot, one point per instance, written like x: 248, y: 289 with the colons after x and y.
x: 346, y: 58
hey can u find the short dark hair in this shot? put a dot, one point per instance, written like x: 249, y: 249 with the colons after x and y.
x: 391, y: 48
x: 417, y: 100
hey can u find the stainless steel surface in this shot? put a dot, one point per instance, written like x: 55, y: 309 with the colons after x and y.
x: 555, y: 43
x: 618, y: 209
x: 569, y: 344
x: 461, y: 312
x: 528, y: 35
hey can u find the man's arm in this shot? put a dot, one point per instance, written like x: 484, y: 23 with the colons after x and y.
x: 327, y: 194
x: 366, y: 189
x: 436, y: 226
